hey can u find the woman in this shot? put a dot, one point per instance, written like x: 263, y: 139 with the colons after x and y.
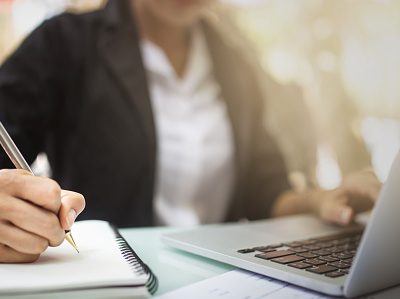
x: 147, y: 111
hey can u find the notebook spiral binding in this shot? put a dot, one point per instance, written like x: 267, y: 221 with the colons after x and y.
x: 136, y: 264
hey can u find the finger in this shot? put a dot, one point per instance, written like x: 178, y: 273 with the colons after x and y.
x: 369, y: 189
x: 15, y: 171
x: 9, y: 255
x: 360, y: 204
x: 374, y: 190
x: 20, y: 240
x: 72, y: 204
x: 337, y: 211
x: 40, y: 191
x: 32, y: 219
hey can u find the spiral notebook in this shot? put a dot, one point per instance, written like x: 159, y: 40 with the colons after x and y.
x: 105, y: 267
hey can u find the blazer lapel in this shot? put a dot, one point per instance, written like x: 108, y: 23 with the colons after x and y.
x: 119, y: 46
x: 235, y: 98
x: 230, y: 83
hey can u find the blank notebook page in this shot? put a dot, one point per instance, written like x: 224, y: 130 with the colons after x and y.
x: 99, y: 264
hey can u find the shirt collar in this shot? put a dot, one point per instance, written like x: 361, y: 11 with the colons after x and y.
x: 198, y: 66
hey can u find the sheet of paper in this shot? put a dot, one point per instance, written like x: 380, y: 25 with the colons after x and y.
x: 240, y: 284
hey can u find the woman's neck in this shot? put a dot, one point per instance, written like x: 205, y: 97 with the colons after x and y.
x: 172, y: 39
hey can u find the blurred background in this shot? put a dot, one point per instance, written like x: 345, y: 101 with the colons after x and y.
x: 331, y: 72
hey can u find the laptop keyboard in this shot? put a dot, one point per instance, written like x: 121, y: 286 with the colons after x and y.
x: 331, y: 256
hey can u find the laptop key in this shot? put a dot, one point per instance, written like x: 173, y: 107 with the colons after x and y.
x: 293, y: 244
x: 274, y: 254
x: 308, y: 255
x: 315, y: 262
x: 247, y: 250
x: 335, y: 274
x: 329, y: 259
x: 268, y: 249
x: 312, y: 247
x: 343, y: 255
x: 298, y: 250
x: 337, y: 249
x: 259, y: 248
x: 300, y: 265
x: 288, y: 259
x: 322, y: 269
x: 351, y: 246
x: 308, y: 242
x: 325, y: 245
x: 341, y: 242
x: 339, y: 265
x: 321, y: 252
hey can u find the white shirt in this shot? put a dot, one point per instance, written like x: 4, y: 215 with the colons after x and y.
x: 195, y: 143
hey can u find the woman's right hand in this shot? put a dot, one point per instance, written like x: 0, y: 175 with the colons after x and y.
x: 34, y: 212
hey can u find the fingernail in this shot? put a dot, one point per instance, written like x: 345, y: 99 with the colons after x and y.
x: 71, y: 217
x: 345, y: 216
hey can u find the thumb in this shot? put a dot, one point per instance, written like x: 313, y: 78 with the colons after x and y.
x: 72, y: 204
x: 337, y: 211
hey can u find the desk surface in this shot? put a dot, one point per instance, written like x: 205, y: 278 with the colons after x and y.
x: 173, y: 268
x: 176, y: 269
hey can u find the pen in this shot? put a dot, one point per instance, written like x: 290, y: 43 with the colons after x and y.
x: 20, y: 163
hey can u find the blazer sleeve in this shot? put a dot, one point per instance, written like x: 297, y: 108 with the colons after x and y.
x: 267, y: 176
x: 29, y: 90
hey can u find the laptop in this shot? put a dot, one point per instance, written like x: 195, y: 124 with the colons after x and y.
x: 307, y: 252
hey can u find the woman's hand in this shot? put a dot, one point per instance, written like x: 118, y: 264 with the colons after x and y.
x: 34, y: 212
x: 357, y: 193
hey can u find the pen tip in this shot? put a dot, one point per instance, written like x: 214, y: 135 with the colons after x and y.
x: 71, y: 241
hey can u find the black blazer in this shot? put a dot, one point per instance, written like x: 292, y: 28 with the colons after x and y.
x: 76, y: 89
